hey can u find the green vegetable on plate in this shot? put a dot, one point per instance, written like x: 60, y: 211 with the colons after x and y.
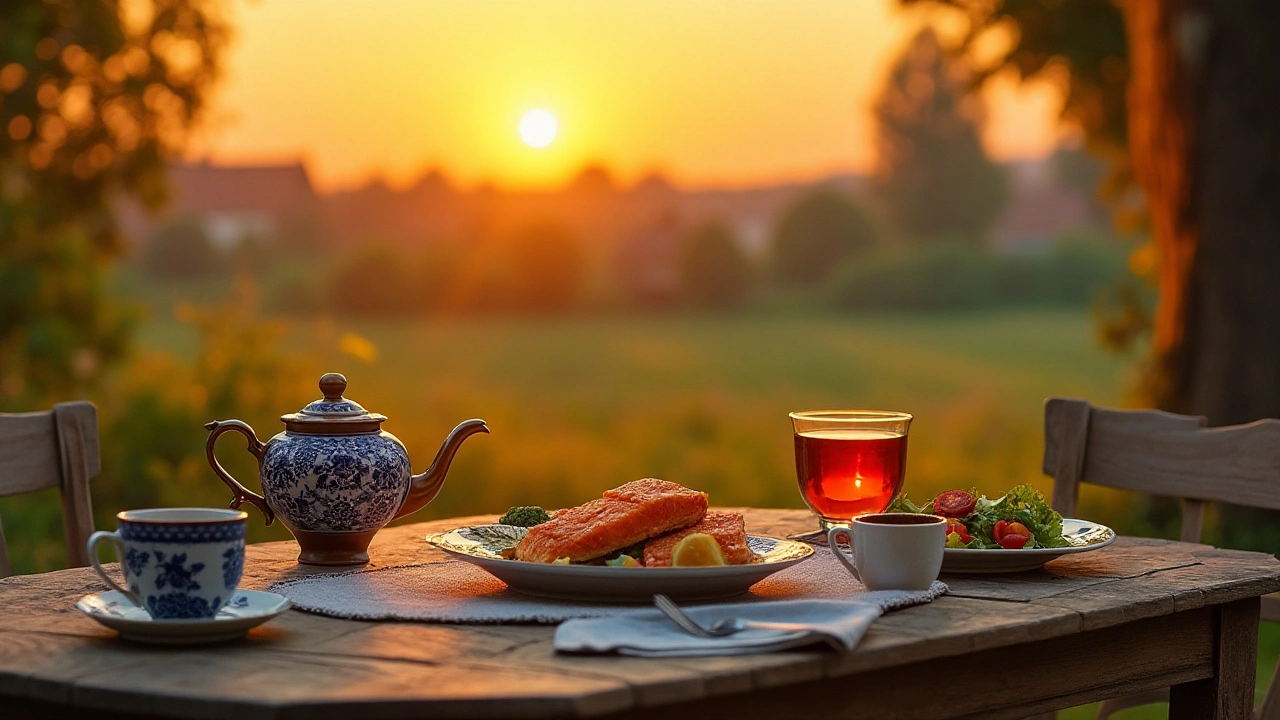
x: 526, y: 516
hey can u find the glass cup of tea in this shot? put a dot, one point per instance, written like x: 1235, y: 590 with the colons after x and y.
x: 849, y: 462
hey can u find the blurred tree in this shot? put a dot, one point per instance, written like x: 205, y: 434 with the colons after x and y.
x: 549, y: 267
x: 1180, y: 96
x: 180, y: 250
x: 933, y: 174
x: 95, y: 96
x: 816, y: 234
x: 714, y: 270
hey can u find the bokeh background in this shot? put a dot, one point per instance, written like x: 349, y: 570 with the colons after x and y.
x: 746, y: 209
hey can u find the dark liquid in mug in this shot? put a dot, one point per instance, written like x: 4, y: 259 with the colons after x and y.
x: 899, y: 519
x: 847, y: 473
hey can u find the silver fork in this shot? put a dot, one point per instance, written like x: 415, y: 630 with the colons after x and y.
x: 721, y: 628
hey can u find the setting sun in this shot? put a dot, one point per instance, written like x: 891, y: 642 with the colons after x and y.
x: 538, y: 128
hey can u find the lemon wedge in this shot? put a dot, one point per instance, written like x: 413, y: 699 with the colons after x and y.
x: 697, y: 550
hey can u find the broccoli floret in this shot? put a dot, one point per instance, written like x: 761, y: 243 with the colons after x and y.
x: 525, y: 516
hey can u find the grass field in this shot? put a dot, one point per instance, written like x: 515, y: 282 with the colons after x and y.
x: 581, y: 404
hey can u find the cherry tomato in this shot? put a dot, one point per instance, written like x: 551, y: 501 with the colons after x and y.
x: 957, y: 527
x: 1013, y: 541
x: 1016, y: 528
x: 954, y: 504
x: 998, y: 531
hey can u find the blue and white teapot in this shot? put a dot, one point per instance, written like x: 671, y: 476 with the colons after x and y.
x: 334, y: 477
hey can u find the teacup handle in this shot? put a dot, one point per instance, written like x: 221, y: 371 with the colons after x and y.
x: 114, y: 538
x: 833, y: 536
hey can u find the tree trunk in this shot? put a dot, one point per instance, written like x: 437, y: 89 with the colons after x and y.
x: 1204, y: 109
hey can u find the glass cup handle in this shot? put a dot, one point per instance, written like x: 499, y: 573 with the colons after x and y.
x: 833, y: 536
x: 114, y: 538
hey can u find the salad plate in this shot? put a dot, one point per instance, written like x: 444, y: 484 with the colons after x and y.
x: 484, y: 546
x: 247, y: 609
x: 1015, y: 532
x: 1081, y: 536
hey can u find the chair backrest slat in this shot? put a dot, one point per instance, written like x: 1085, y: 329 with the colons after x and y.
x: 1163, y: 454
x: 53, y: 449
x: 29, y: 453
x: 77, y: 429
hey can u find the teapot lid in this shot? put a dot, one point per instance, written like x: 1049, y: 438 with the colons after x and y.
x: 333, y: 414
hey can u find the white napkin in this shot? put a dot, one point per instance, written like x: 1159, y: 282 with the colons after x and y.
x: 839, y: 624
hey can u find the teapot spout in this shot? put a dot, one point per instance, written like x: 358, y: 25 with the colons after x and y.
x: 426, y: 486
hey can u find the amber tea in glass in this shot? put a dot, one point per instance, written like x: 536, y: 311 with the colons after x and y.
x: 849, y: 462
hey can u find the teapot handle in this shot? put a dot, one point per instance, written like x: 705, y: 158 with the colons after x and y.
x: 256, y: 449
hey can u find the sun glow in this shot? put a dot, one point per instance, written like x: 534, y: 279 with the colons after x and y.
x: 538, y: 128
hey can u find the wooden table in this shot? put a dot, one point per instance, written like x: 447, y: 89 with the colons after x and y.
x: 1140, y: 614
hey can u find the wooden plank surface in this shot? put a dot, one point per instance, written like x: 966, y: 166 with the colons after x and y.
x: 52, y: 657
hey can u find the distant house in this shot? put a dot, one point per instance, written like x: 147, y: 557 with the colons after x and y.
x: 231, y: 203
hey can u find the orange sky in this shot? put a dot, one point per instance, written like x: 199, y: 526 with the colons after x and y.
x: 725, y: 92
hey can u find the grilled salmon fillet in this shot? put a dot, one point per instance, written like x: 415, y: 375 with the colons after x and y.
x: 729, y: 530
x: 623, y: 517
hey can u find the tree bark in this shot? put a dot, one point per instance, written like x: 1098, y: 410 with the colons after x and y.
x: 1235, y: 369
x: 1204, y: 121
x: 1161, y: 136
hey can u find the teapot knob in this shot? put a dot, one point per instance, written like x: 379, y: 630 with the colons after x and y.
x: 333, y: 385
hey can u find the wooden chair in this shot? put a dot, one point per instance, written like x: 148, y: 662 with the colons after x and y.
x: 1160, y: 453
x: 57, y: 448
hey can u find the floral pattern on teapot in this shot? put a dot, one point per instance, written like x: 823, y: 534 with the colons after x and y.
x: 328, y: 483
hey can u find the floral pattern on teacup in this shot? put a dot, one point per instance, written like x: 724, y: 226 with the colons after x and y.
x: 232, y: 566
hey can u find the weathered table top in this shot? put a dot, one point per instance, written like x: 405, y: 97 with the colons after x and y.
x: 1137, y: 615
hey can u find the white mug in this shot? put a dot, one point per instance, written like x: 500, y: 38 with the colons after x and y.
x: 178, y: 563
x: 892, y: 551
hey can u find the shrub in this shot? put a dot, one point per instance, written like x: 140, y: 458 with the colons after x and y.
x: 816, y: 234
x: 375, y: 279
x: 181, y: 250
x: 956, y: 277
x: 550, y: 267
x: 713, y: 270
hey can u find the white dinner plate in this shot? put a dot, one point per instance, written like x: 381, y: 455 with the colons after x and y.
x: 482, y: 545
x: 1083, y: 535
x: 247, y: 609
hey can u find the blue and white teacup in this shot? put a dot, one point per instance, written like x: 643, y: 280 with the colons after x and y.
x: 178, y: 563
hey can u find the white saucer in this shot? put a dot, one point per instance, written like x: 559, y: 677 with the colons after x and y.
x: 247, y: 609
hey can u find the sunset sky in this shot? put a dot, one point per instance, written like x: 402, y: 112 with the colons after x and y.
x: 710, y: 92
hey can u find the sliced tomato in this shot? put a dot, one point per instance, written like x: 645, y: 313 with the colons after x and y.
x: 954, y: 504
x: 999, y: 530
x: 957, y: 527
x: 1013, y: 541
x: 1016, y: 528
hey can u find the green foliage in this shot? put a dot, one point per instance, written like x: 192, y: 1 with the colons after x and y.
x: 934, y: 175
x: 151, y: 418
x: 817, y: 233
x: 182, y: 250
x: 713, y: 268
x: 1082, y: 42
x: 955, y: 277
x: 91, y: 102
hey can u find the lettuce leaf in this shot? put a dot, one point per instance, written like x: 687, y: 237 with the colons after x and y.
x: 1025, y: 504
x: 901, y: 504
